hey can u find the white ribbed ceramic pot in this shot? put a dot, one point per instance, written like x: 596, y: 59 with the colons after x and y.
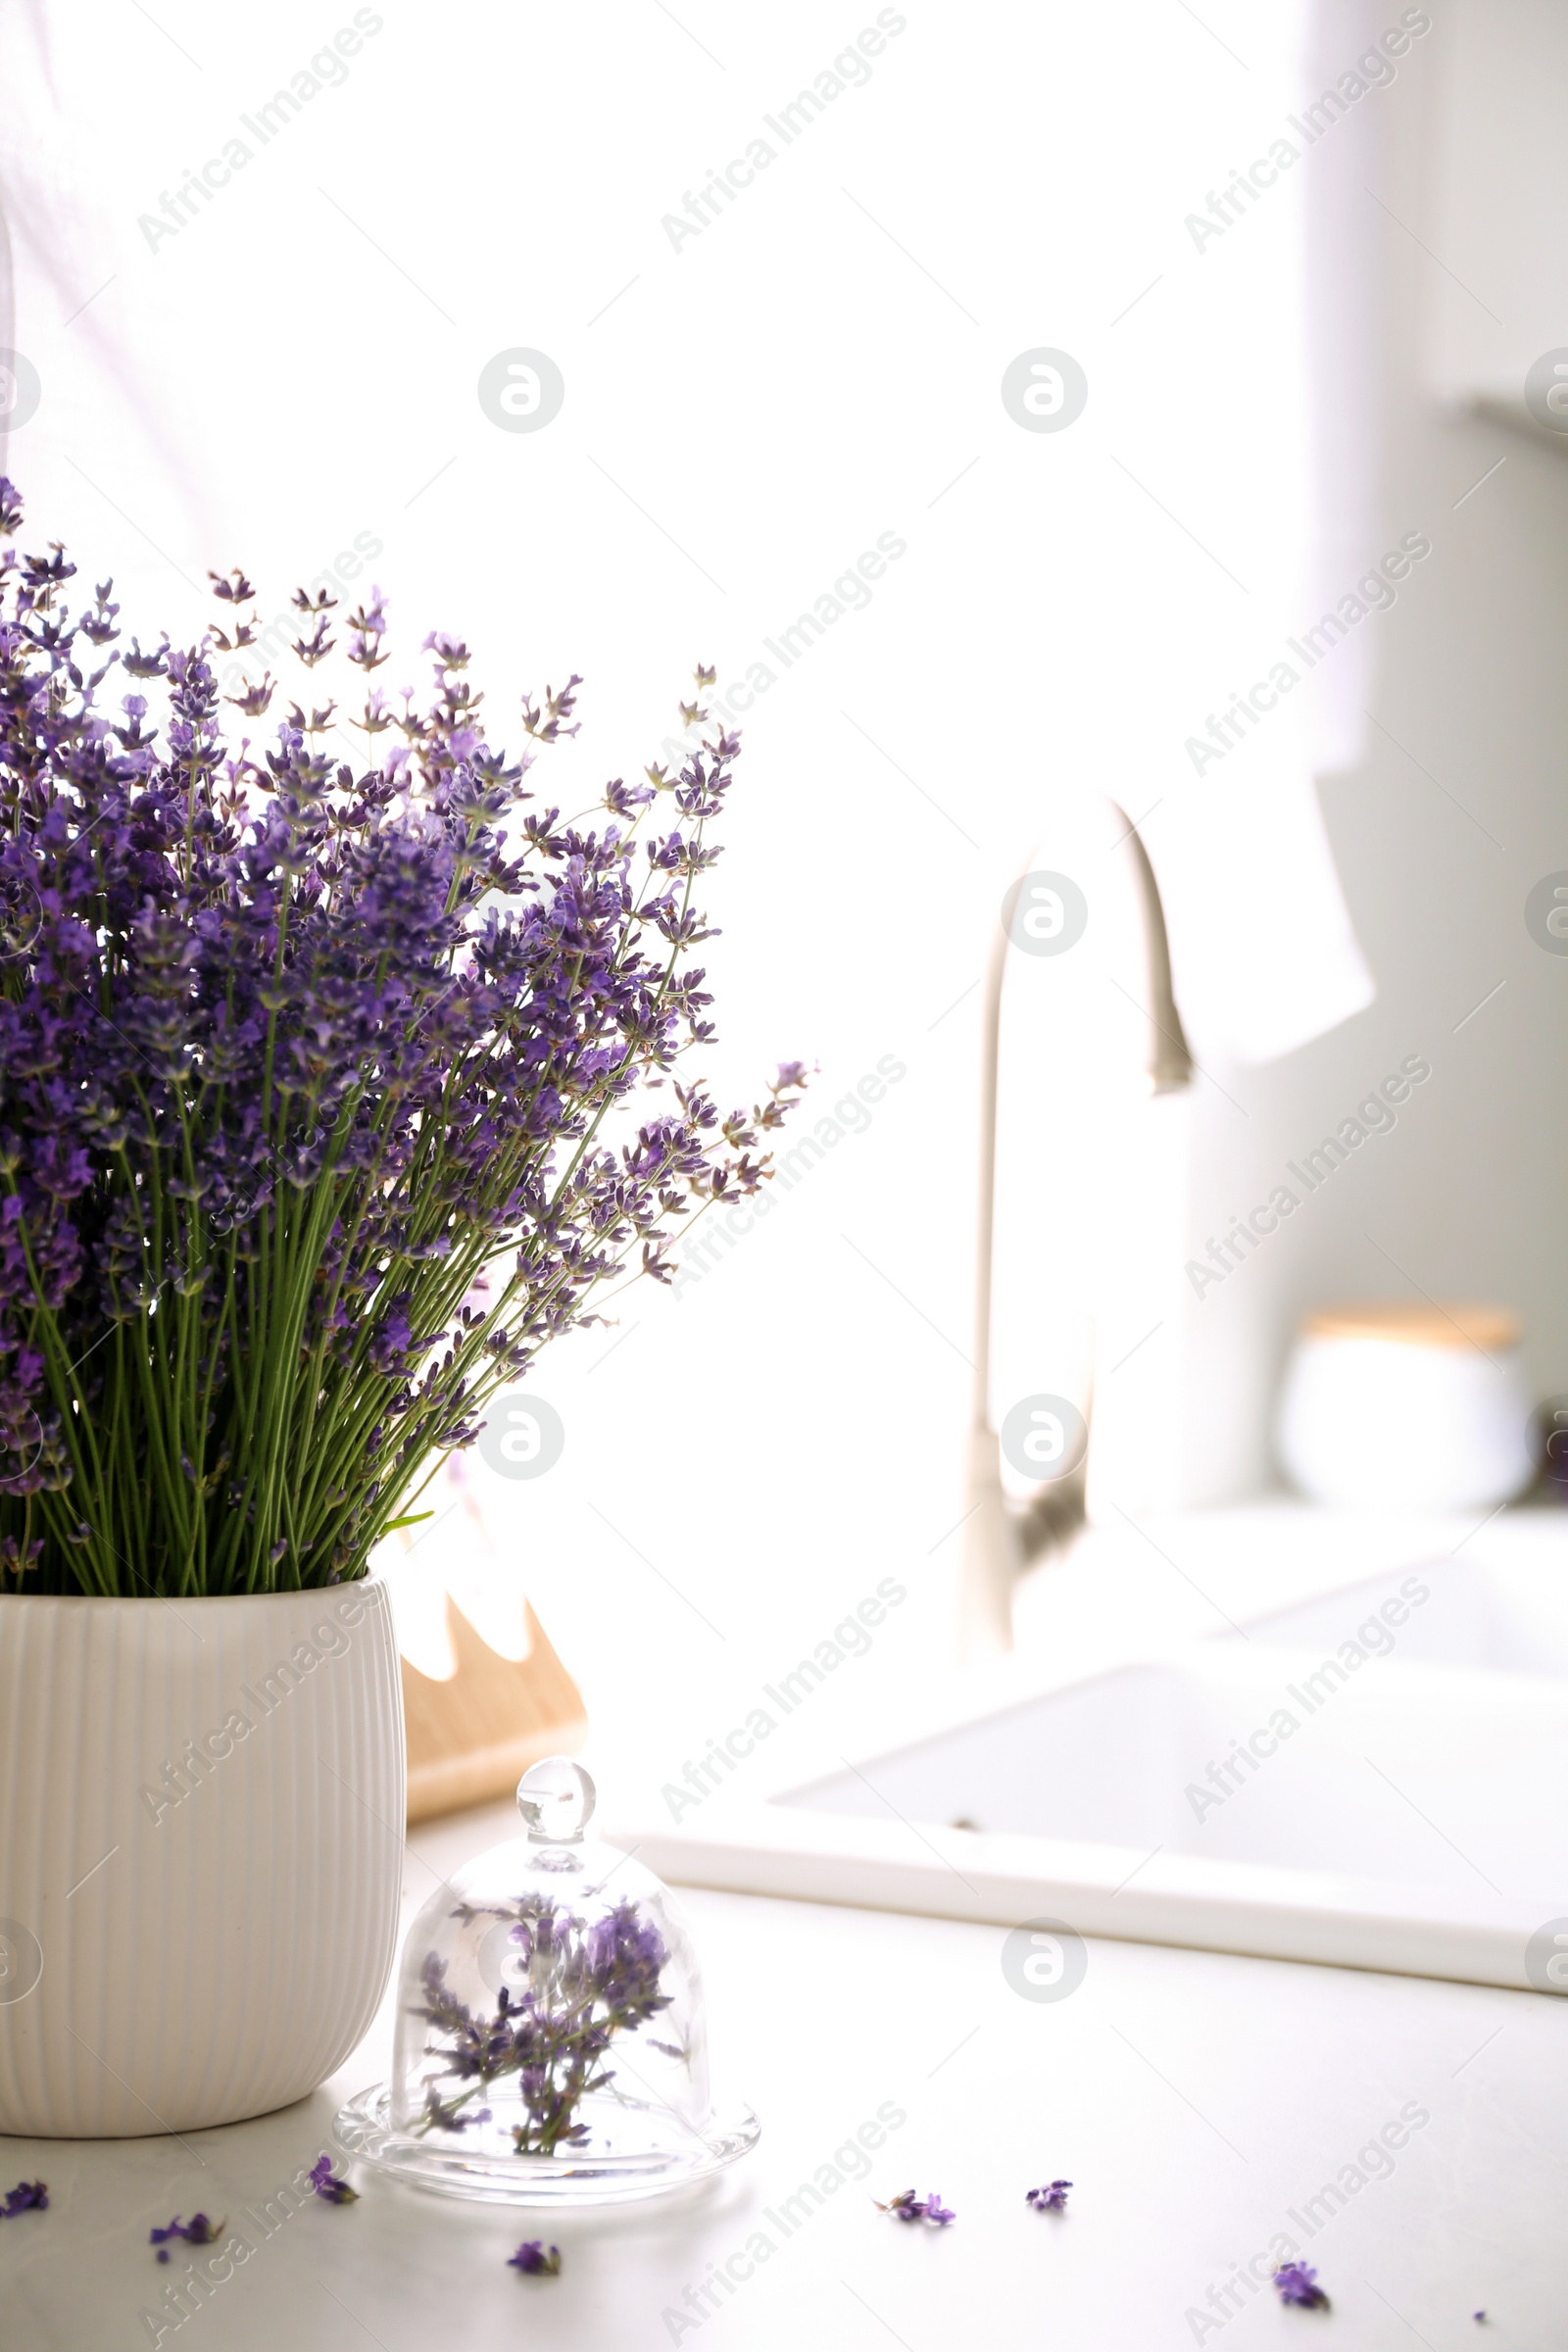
x: 201, y: 1810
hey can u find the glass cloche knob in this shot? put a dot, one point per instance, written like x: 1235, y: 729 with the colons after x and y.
x: 557, y: 1800
x: 551, y: 2043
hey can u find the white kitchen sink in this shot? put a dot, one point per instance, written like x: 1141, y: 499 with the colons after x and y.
x: 1421, y: 1777
x: 1377, y: 1777
x: 1513, y: 1619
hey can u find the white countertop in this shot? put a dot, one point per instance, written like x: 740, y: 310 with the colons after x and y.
x: 1194, y: 2100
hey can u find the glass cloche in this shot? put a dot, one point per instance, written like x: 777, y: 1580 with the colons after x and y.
x: 550, y: 2045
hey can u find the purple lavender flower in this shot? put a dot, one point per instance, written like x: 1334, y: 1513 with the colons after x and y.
x: 907, y: 2207
x: 532, y: 2259
x: 1049, y: 2199
x: 197, y: 2231
x: 320, y: 1085
x: 1298, y: 2283
x: 581, y: 1986
x: 326, y: 2184
x: 29, y: 2196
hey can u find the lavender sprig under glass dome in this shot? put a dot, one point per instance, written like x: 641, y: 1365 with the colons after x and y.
x: 304, y: 1070
x: 581, y: 1984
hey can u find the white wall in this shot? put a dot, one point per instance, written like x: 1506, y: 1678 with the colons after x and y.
x: 746, y: 414
x: 1466, y: 1194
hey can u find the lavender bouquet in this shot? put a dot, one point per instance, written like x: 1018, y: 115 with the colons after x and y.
x: 305, y: 1071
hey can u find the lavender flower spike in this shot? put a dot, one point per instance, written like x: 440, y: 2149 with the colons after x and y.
x: 1298, y: 2283
x: 1051, y: 2199
x: 29, y: 2196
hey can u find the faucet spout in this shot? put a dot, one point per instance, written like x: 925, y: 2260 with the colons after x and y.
x: 1170, y: 1062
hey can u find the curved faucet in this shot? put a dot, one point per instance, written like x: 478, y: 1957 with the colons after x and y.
x: 1001, y: 1540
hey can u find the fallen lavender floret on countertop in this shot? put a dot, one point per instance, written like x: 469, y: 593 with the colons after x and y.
x: 909, y: 2208
x: 197, y: 2231
x: 534, y: 2260
x: 1298, y: 2283
x: 326, y: 2184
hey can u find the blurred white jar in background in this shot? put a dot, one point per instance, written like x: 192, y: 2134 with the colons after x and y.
x: 1424, y: 1407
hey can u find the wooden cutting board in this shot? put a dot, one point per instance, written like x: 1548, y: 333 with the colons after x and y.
x: 472, y: 1737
